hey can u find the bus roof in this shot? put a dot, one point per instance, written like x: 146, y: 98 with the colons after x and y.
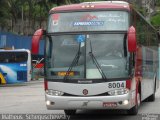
x: 93, y: 6
x: 113, y: 2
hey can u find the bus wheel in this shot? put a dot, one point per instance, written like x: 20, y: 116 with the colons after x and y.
x: 151, y: 98
x: 134, y: 110
x: 70, y: 112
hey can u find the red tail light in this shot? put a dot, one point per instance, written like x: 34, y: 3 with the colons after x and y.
x: 45, y: 85
x: 128, y: 84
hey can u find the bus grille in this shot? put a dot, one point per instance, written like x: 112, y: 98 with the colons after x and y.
x: 22, y: 75
x: 70, y: 95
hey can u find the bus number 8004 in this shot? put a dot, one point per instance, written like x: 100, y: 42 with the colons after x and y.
x: 116, y: 85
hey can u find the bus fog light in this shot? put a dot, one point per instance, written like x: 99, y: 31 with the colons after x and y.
x: 48, y: 102
x: 118, y: 92
x: 54, y: 92
x: 125, y: 102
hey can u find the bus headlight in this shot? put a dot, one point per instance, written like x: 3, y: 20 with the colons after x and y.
x: 118, y: 92
x: 125, y: 102
x: 54, y: 92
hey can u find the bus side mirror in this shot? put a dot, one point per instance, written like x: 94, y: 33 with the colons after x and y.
x: 36, y: 40
x: 132, y: 42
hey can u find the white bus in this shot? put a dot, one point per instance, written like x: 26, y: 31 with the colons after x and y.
x: 98, y: 55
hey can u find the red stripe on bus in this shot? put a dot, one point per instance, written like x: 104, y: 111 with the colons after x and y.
x: 45, y: 84
x: 128, y: 84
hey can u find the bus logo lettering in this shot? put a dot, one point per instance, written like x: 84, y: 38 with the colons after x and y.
x: 89, y: 23
x: 88, y: 17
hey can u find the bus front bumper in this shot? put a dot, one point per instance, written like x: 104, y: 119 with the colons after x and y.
x: 125, y: 101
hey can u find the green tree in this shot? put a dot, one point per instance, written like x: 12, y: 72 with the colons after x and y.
x: 155, y: 20
x: 4, y: 16
x: 9, y: 11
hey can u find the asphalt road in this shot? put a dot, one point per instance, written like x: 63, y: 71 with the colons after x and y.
x: 29, y: 99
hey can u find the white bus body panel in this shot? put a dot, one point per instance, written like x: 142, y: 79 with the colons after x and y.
x: 90, y: 101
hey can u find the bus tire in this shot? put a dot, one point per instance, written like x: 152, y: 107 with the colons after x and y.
x: 151, y: 98
x: 134, y: 110
x: 70, y: 112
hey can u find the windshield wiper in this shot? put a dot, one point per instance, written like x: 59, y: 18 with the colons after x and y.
x: 74, y: 63
x: 96, y: 63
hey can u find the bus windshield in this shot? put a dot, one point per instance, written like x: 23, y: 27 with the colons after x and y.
x: 89, y: 21
x: 110, y: 53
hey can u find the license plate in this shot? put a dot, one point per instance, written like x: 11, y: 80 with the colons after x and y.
x: 109, y: 104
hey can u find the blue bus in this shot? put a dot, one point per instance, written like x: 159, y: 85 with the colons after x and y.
x: 15, y: 65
